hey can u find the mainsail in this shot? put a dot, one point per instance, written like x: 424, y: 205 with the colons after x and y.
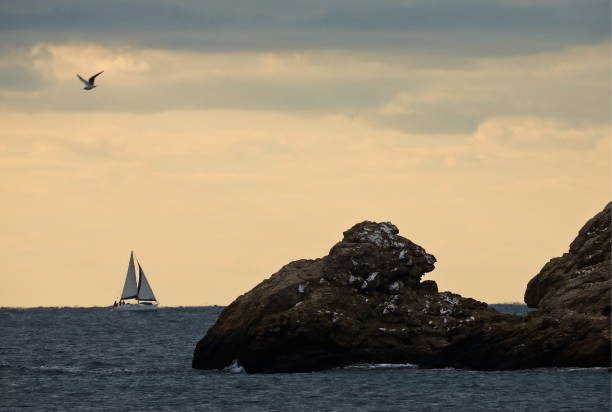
x: 130, y: 290
x: 144, y: 289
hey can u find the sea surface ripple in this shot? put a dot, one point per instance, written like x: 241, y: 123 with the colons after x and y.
x: 97, y: 360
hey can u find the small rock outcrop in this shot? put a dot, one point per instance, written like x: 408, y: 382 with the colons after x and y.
x: 580, y: 279
x: 366, y: 302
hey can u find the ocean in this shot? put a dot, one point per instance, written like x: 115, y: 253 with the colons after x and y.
x: 92, y: 359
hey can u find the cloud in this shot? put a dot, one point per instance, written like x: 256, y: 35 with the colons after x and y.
x: 469, y: 27
x: 451, y: 15
x: 185, y: 183
x: 238, y: 146
x: 63, y: 60
x: 20, y: 77
x: 572, y: 85
x: 538, y: 133
x: 410, y: 93
x: 250, y: 123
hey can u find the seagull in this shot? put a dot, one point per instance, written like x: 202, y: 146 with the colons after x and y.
x: 89, y: 84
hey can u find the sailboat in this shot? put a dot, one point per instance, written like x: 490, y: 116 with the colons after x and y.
x: 144, y: 299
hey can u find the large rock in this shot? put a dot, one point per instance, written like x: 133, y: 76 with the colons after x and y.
x: 580, y: 279
x: 365, y: 302
x: 541, y: 339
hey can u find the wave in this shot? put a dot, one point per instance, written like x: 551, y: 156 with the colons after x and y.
x: 574, y: 369
x: 234, y: 367
x: 93, y: 368
x: 382, y: 366
x: 369, y: 366
x: 55, y: 369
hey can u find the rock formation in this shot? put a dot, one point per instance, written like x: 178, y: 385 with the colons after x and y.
x: 365, y: 302
x: 580, y: 279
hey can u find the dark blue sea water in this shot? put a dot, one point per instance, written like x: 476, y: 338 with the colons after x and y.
x: 95, y: 359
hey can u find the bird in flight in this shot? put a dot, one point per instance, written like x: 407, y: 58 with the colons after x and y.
x: 89, y: 84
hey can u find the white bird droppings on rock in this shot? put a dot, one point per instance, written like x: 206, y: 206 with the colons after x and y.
x: 389, y: 308
x: 385, y: 227
x: 376, y: 238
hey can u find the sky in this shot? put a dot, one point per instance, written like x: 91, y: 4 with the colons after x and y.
x: 226, y: 139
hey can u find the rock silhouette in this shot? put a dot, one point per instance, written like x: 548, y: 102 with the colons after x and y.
x: 365, y: 302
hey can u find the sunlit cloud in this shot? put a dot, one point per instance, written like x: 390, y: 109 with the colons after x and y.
x: 539, y: 133
x: 411, y: 93
x: 62, y: 61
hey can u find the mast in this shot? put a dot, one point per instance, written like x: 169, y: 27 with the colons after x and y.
x: 130, y: 290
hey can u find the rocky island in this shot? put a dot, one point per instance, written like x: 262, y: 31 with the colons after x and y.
x: 366, y: 302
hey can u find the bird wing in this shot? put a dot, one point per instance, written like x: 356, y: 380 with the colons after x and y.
x: 93, y: 78
x: 83, y: 80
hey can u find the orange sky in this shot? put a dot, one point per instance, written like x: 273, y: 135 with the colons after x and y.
x: 218, y: 166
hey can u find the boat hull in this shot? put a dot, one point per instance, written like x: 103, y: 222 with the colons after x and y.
x: 135, y: 307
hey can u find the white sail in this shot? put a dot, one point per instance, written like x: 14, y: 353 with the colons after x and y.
x: 130, y: 290
x: 144, y: 289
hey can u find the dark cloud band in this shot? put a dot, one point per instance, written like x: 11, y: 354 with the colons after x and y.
x: 470, y: 27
